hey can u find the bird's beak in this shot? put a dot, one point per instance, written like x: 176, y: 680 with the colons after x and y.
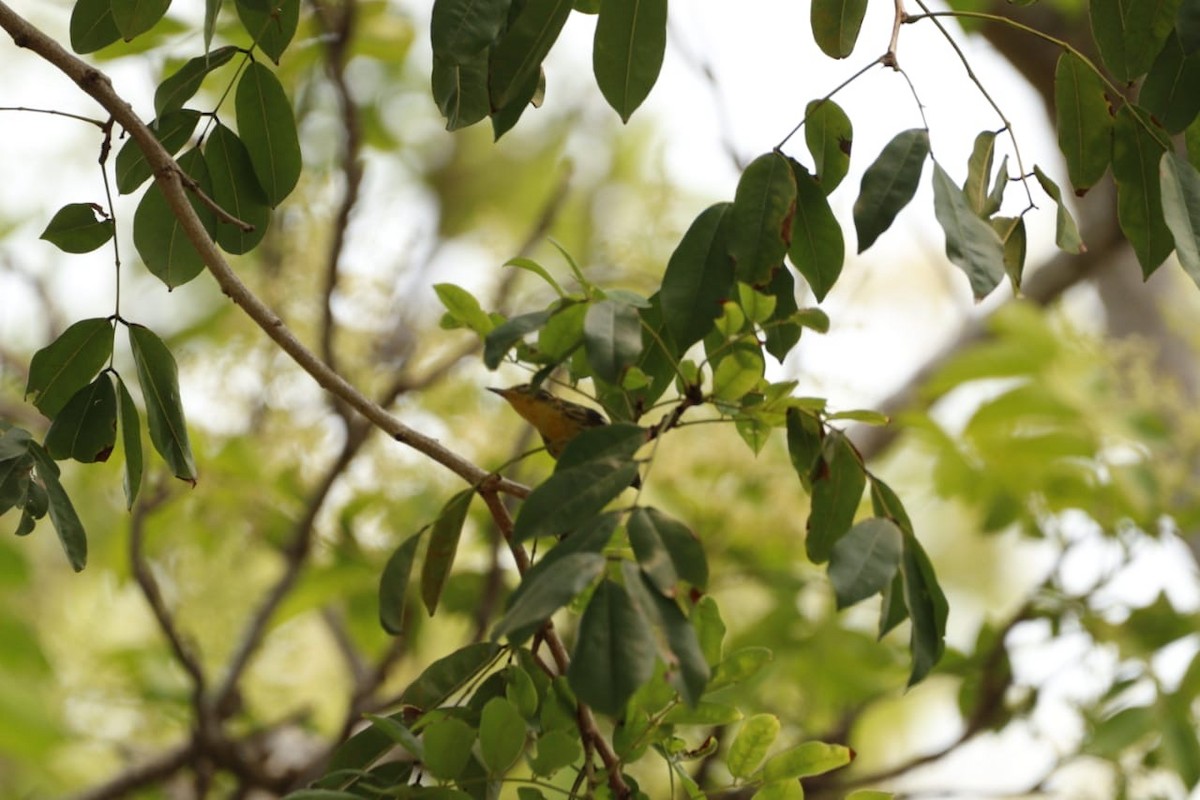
x: 497, y: 391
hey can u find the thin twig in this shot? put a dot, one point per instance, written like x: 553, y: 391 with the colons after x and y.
x: 139, y: 776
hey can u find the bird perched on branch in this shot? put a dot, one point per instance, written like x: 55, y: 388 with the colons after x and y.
x: 558, y: 421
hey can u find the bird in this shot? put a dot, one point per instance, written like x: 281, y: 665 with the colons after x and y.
x: 556, y: 420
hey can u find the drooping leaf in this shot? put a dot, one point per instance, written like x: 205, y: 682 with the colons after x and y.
x: 62, y: 513
x: 829, y: 136
x: 86, y: 428
x: 393, y: 585
x: 1130, y: 34
x: 699, y: 277
x: 865, y: 560
x: 627, y: 53
x: 158, y: 234
x: 461, y: 90
x: 164, y: 409
x: 1084, y: 121
x: 614, y: 652
x: 927, y: 608
x: 687, y: 669
x: 506, y: 116
x: 889, y: 184
x: 835, y: 25
x: 1066, y: 232
x: 780, y: 332
x: 620, y: 440
x: 173, y: 131
x: 236, y: 190
x: 1169, y: 91
x: 75, y: 229
x: 759, y: 225
x: 272, y: 26
x: 519, y: 53
x: 443, y: 546
x: 1011, y: 231
x: 135, y: 17
x: 805, y: 437
x: 979, y: 172
x: 971, y: 244
x: 131, y: 439
x: 177, y: 89
x: 837, y: 486
x: 612, y: 338
x: 571, y: 496
x: 92, y: 26
x: 1180, y: 186
x: 1136, y: 153
x: 268, y: 129
x: 817, y: 248
x: 69, y: 363
x: 447, y: 675
x: 212, y: 9
x: 656, y: 537
x: 460, y: 29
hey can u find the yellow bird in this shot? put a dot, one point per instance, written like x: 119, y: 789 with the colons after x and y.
x: 558, y: 421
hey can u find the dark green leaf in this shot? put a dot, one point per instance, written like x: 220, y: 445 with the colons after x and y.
x: 399, y: 733
x: 460, y: 29
x: 173, y: 131
x: 996, y: 197
x: 555, y: 750
x: 979, y: 172
x: 1129, y: 33
x: 1066, y: 232
x: 69, y: 363
x: 1136, y: 153
x: 687, y: 669
x: 443, y: 546
x: 667, y: 550
x: 501, y: 735
x: 838, y: 482
x: 571, y: 496
x: 272, y: 26
x: 131, y: 439
x: 521, y: 49
x: 865, y: 560
x: 817, y: 248
x: 212, y: 10
x: 628, y: 51
x: 546, y: 593
x: 829, y: 136
x: 92, y: 26
x: 612, y: 338
x: 460, y: 90
x: 926, y: 606
x: 75, y: 229
x: 805, y: 436
x: 971, y: 244
x: 759, y: 222
x: 62, y: 514
x: 393, y: 585
x: 164, y: 409
x: 447, y: 743
x: 176, y: 90
x: 1011, y: 231
x: 1180, y: 186
x: 699, y: 277
x: 780, y: 332
x: 889, y: 184
x: 135, y: 17
x: 1169, y: 91
x: 1084, y: 121
x: 1187, y: 24
x: 501, y: 339
x: 835, y: 25
x: 892, y: 609
x: 447, y: 675
x: 505, y: 118
x: 268, y: 129
x: 614, y: 653
x: 619, y: 440
x: 235, y: 189
x: 159, y: 236
x: 86, y: 428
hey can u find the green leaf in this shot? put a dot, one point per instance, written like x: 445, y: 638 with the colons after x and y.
x: 464, y: 308
x: 268, y: 129
x: 1129, y: 33
x: 614, y: 652
x: 758, y: 306
x: 555, y: 750
x: 447, y: 744
x: 1066, y: 232
x: 739, y: 666
x: 619, y: 440
x: 571, y: 496
x: 519, y: 53
x: 131, y: 440
x: 75, y: 229
x: 805, y: 437
x: 86, y: 428
x: 460, y: 29
x: 750, y: 746
x: 158, y: 234
x: 829, y: 136
x: 780, y: 790
x: 710, y: 628
x: 1011, y: 231
x: 173, y: 131
x: 926, y: 606
x: 521, y: 690
x: 688, y: 670
x: 817, y: 249
x: 1187, y: 25
x: 612, y: 338
x: 1136, y: 153
x: 461, y: 90
x: 865, y: 560
x: 971, y: 244
x: 393, y: 585
x: 835, y: 25
x: 1180, y: 185
x: 547, y: 592
x: 838, y: 482
x: 212, y: 9
x: 979, y: 172
x: 92, y: 26
x: 69, y: 363
x: 759, y: 225
x: 627, y: 53
x: 176, y: 90
x: 399, y: 733
x: 500, y: 340
x: 667, y: 550
x: 1169, y: 91
x: 443, y: 546
x: 62, y: 514
x: 889, y: 184
x: 272, y: 26
x: 164, y: 409
x: 995, y: 198
x: 804, y: 760
x: 235, y: 189
x: 506, y: 117
x: 738, y: 372
x: 447, y: 675
x: 892, y: 609
x: 501, y: 735
x: 135, y: 17
x: 780, y: 332
x: 699, y: 277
